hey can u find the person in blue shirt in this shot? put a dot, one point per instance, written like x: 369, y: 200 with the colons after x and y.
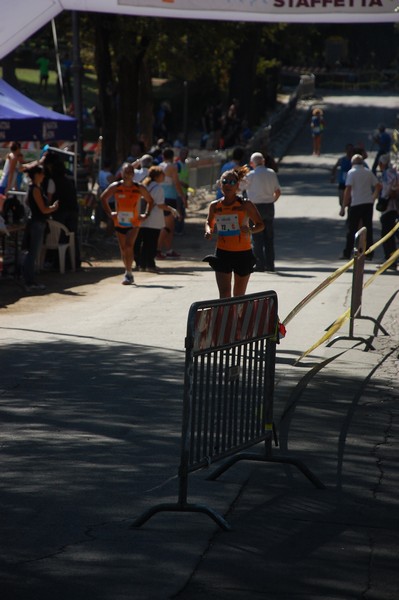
x: 383, y: 141
x: 236, y: 161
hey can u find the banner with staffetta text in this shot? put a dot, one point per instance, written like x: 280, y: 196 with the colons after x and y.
x: 271, y: 10
x: 21, y: 18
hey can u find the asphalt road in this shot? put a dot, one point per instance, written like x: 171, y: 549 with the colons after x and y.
x: 91, y: 391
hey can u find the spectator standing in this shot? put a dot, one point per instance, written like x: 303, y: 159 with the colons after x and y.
x: 207, y: 127
x: 141, y: 167
x: 61, y: 187
x: 10, y: 171
x: 162, y: 117
x: 231, y: 126
x: 105, y: 176
x: 183, y: 174
x: 362, y: 188
x: 36, y: 226
x: 233, y: 219
x: 127, y: 217
x: 388, y: 204
x: 263, y: 189
x: 173, y: 194
x: 246, y: 132
x: 237, y: 160
x: 43, y: 63
x: 19, y: 180
x: 145, y: 248
x: 156, y: 151
x: 383, y: 140
x: 342, y: 166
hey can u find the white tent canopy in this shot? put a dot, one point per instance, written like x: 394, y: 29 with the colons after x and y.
x: 20, y: 19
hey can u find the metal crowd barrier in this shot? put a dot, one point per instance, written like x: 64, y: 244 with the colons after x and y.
x: 203, y: 171
x: 228, y: 391
x: 357, y: 289
x: 357, y: 292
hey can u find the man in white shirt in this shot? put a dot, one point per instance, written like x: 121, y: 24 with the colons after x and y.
x: 361, y: 189
x: 263, y: 189
x: 141, y: 167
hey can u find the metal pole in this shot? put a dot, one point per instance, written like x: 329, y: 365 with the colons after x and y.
x: 77, y: 71
x: 185, y: 113
x: 100, y: 153
x: 185, y: 98
x: 59, y: 70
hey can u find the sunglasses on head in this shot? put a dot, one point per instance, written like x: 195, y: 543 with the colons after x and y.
x: 231, y: 181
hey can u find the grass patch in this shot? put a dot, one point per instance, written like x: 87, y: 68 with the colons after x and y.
x: 29, y: 86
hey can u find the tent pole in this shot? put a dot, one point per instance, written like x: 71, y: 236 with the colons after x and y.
x: 77, y: 82
x: 59, y: 70
x: 75, y: 164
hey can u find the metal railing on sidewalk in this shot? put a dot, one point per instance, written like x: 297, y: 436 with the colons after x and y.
x: 357, y: 293
x: 357, y: 287
x: 228, y: 392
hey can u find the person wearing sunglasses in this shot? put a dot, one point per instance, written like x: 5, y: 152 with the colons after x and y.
x: 232, y: 219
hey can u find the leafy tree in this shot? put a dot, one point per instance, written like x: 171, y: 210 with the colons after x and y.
x: 216, y: 61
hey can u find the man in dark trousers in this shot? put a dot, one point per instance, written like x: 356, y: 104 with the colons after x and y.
x: 263, y: 189
x: 362, y: 188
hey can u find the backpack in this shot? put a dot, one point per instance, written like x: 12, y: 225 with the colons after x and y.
x: 13, y: 210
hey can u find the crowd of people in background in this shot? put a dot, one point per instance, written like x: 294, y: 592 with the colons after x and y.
x: 361, y: 188
x: 241, y: 216
x: 224, y: 127
x: 165, y: 173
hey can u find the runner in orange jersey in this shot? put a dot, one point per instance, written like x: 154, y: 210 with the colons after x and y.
x: 127, y: 217
x: 233, y: 219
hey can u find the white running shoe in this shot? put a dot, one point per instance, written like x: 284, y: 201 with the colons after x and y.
x: 128, y: 279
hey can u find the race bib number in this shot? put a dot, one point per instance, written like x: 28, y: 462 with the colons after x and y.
x: 125, y: 219
x: 227, y: 225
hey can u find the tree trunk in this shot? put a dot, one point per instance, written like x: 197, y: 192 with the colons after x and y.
x: 129, y: 66
x: 8, y: 64
x: 243, y: 70
x: 127, y: 106
x: 146, y: 106
x: 106, y: 88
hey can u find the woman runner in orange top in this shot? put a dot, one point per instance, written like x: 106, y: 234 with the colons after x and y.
x: 233, y: 219
x: 127, y: 217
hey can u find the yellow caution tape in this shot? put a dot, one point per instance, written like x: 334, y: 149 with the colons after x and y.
x: 334, y: 327
x: 338, y: 273
x: 383, y: 267
x: 316, y: 291
x: 345, y: 316
x: 382, y: 240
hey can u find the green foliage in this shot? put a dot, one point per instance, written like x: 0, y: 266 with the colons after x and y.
x: 264, y: 65
x: 215, y: 58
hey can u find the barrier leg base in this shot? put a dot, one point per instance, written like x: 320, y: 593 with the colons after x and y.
x: 302, y: 467
x: 202, y: 508
x: 368, y: 344
x: 379, y: 326
x: 279, y: 459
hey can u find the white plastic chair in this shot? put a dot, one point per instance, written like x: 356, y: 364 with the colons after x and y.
x: 52, y: 242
